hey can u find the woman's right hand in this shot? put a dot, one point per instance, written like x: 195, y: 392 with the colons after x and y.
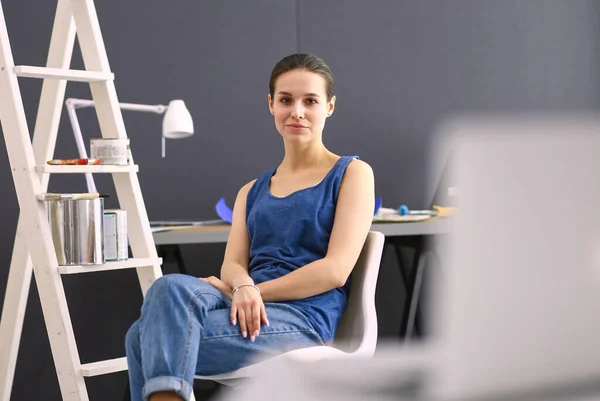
x: 248, y: 309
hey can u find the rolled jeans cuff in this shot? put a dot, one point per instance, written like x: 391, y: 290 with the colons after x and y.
x: 167, y: 383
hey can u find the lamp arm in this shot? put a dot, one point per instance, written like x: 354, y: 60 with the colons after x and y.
x: 91, y: 185
x: 157, y: 108
x: 149, y: 108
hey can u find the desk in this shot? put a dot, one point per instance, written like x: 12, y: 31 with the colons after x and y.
x: 216, y: 234
x: 397, y: 235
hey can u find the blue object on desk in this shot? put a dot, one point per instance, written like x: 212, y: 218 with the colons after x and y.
x: 223, y: 211
x: 378, y: 203
x: 404, y: 211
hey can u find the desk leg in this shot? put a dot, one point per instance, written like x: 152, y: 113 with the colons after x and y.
x: 165, y: 252
x: 412, y: 303
x: 413, y: 281
x: 127, y: 395
x: 401, y: 266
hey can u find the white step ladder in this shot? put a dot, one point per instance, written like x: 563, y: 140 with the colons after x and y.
x: 33, y: 247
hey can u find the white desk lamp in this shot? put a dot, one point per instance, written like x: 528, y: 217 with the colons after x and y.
x: 177, y: 124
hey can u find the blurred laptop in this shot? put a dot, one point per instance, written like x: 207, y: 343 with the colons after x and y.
x: 516, y: 309
x: 442, y: 188
x: 519, y: 306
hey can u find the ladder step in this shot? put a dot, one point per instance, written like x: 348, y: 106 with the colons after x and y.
x: 99, y: 168
x: 104, y: 367
x: 117, y: 265
x: 27, y: 71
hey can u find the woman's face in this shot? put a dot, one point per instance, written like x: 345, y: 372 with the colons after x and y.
x: 300, y: 106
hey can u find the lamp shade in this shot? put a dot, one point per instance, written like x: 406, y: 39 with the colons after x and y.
x: 177, y: 122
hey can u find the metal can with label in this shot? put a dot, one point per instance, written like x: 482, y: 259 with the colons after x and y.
x: 110, y: 150
x: 115, y: 235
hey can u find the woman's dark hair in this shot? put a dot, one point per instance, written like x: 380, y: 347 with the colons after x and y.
x: 307, y: 62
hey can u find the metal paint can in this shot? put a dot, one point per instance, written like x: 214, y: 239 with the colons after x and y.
x: 77, y: 230
x: 110, y: 150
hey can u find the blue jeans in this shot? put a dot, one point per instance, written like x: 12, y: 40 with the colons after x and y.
x: 185, y: 330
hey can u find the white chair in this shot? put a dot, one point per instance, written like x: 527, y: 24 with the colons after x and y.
x: 356, y: 336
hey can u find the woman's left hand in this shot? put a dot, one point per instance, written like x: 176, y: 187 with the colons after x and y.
x: 218, y: 284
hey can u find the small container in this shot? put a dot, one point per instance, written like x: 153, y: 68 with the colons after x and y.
x: 76, y: 226
x: 110, y: 150
x: 115, y: 235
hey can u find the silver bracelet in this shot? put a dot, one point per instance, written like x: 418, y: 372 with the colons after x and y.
x: 244, y: 285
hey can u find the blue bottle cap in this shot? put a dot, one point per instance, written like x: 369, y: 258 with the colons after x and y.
x: 403, y: 210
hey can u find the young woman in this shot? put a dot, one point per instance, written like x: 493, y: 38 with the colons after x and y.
x: 296, y: 234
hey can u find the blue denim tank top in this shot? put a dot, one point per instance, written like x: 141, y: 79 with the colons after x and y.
x: 289, y: 232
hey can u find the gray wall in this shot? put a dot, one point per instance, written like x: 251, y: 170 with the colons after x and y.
x: 400, y: 67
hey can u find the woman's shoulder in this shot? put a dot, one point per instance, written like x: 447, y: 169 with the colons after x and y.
x: 245, y: 189
x: 358, y: 176
x: 251, y: 184
x: 358, y: 167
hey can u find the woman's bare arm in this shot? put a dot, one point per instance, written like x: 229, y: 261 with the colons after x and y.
x: 234, y: 271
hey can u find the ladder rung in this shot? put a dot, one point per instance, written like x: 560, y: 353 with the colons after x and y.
x: 104, y: 367
x: 117, y: 265
x: 27, y: 71
x: 100, y: 168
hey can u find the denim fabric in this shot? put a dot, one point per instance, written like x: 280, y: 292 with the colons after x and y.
x: 185, y: 330
x: 289, y: 232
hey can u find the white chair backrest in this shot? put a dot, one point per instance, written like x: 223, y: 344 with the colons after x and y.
x: 357, y: 331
